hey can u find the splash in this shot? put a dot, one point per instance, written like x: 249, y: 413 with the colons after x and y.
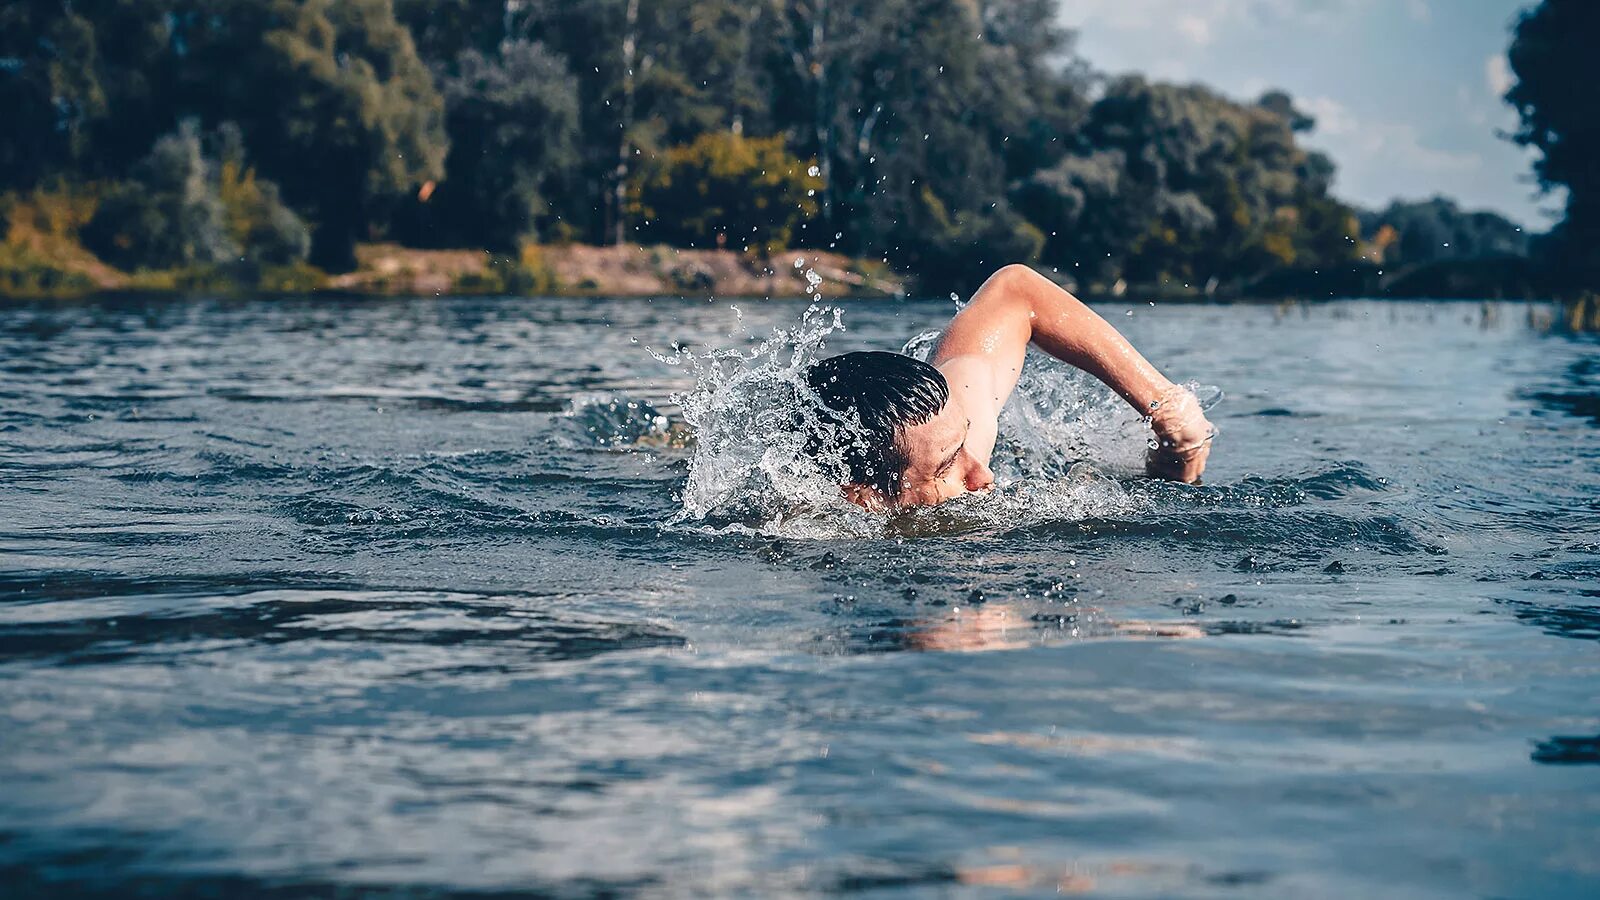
x: 750, y: 412
x: 617, y: 423
x: 1065, y: 441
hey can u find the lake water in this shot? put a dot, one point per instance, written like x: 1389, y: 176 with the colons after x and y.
x: 401, y: 597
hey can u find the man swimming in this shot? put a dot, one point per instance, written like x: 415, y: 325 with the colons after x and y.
x: 930, y: 428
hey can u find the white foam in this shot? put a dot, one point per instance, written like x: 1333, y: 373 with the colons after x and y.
x: 1065, y: 439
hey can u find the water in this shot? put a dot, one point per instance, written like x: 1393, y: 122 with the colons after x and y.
x: 413, y: 597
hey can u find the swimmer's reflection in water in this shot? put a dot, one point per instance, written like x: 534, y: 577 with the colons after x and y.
x: 927, y: 430
x: 1004, y: 626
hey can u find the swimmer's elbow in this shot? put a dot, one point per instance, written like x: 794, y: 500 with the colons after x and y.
x: 1015, y: 277
x: 1018, y: 290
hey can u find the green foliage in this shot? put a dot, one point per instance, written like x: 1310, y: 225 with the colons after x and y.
x: 340, y: 111
x: 513, y: 122
x: 973, y: 243
x: 1558, y: 99
x: 726, y: 190
x: 1178, y: 183
x: 40, y: 254
x: 185, y: 208
x: 532, y: 275
x: 1412, y: 233
x: 296, y: 278
x: 169, y: 215
x: 50, y: 91
x: 949, y: 137
x: 525, y: 274
x: 24, y: 272
x: 332, y: 99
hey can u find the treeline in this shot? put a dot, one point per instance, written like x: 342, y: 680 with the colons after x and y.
x: 945, y: 137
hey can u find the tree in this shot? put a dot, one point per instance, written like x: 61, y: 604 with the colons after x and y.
x: 1438, y: 229
x: 726, y: 190
x: 188, y: 204
x: 50, y: 92
x: 169, y: 215
x: 1180, y: 183
x: 920, y: 112
x: 1557, y: 97
x: 512, y: 117
x: 340, y: 84
x: 650, y: 75
x: 444, y: 30
x: 1089, y: 210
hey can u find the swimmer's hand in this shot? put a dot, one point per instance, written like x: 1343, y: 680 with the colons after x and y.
x: 1183, y: 437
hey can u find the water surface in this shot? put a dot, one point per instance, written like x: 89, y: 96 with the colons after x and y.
x: 400, y: 597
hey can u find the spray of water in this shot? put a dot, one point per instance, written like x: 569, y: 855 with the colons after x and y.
x: 1065, y: 440
x: 750, y: 412
x: 1065, y: 444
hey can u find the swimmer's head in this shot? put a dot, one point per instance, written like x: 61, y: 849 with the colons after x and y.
x: 911, y: 449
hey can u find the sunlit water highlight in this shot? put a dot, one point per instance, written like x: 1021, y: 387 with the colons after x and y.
x: 436, y: 596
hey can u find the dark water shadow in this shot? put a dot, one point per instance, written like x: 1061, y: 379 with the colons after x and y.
x: 1567, y: 751
x: 1580, y: 622
x: 1580, y: 397
x: 36, y: 586
x: 289, y: 617
x: 62, y: 876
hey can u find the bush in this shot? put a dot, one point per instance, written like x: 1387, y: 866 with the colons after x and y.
x: 24, y: 273
x: 513, y: 120
x: 257, y: 219
x: 40, y: 255
x: 532, y: 275
x: 725, y: 190
x: 185, y: 208
x: 299, y: 278
x: 964, y: 249
x: 526, y: 274
x: 169, y: 215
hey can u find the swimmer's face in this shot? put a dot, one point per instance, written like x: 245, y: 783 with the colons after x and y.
x: 939, y: 466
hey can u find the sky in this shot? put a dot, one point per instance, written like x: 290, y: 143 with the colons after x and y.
x: 1406, y: 92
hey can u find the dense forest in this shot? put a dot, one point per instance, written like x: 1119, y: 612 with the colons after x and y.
x: 941, y: 137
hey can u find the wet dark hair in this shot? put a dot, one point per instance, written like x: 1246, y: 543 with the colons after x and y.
x: 887, y: 392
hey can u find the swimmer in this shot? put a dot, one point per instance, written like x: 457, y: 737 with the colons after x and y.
x: 930, y: 428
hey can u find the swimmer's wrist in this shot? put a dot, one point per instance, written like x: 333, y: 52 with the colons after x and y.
x: 1178, y: 422
x: 1147, y: 397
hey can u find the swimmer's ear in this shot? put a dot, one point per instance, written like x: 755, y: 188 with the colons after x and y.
x: 866, y: 496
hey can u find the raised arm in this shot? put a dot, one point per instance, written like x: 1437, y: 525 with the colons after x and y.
x: 982, y: 350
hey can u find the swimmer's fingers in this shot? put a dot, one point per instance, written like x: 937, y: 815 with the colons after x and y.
x: 1174, y: 464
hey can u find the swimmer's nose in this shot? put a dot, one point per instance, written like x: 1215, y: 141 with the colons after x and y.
x: 979, y: 478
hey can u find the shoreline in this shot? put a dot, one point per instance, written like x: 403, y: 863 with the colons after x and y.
x: 567, y: 270
x: 632, y: 271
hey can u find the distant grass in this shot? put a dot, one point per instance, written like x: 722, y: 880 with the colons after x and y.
x: 40, y: 255
x: 26, y: 275
x: 1582, y: 315
x: 234, y: 278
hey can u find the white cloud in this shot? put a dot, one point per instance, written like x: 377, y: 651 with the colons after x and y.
x: 1202, y: 19
x: 1414, y: 114
x: 1397, y: 144
x: 1497, y: 74
x: 1174, y: 34
x: 1333, y: 119
x: 1195, y: 29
